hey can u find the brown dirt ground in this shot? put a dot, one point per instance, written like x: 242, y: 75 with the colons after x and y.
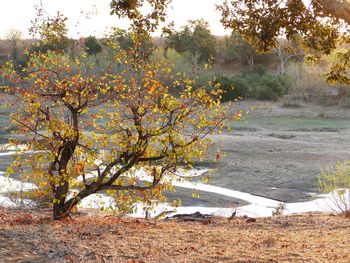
x: 31, y: 236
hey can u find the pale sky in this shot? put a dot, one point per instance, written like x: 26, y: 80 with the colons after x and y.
x: 17, y: 14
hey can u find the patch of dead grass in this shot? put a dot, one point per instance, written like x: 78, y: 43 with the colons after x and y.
x: 31, y: 236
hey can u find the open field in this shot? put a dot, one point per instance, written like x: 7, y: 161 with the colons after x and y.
x: 276, y: 152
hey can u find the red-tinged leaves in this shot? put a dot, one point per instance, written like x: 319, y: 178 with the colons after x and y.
x: 114, y: 119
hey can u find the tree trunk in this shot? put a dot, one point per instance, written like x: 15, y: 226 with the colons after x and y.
x: 250, y: 61
x: 281, y: 69
x: 61, y: 207
x: 60, y: 211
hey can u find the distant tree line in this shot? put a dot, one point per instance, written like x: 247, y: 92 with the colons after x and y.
x: 189, y: 49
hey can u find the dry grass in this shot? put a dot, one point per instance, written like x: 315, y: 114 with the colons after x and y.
x: 31, y: 236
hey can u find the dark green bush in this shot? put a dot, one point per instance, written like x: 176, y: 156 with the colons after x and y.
x: 286, y: 82
x: 253, y: 78
x: 254, y: 83
x: 92, y: 45
x: 241, y: 86
x: 233, y: 88
x: 269, y: 88
x: 264, y: 86
x: 61, y: 44
x: 256, y: 70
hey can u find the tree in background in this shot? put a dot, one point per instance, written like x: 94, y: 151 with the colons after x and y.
x: 14, y: 36
x: 52, y: 32
x: 92, y: 45
x: 195, y: 38
x: 126, y: 39
x: 122, y: 37
x: 240, y: 50
x: 285, y: 52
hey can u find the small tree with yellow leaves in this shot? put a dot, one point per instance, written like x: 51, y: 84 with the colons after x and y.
x: 94, y: 131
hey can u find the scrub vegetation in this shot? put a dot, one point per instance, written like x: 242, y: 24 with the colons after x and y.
x: 126, y: 114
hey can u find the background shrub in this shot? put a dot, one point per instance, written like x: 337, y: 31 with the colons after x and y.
x: 268, y: 88
x: 235, y: 87
x: 336, y: 182
x: 92, y: 45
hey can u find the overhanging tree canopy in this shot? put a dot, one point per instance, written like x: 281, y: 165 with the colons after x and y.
x: 318, y: 25
x: 262, y: 22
